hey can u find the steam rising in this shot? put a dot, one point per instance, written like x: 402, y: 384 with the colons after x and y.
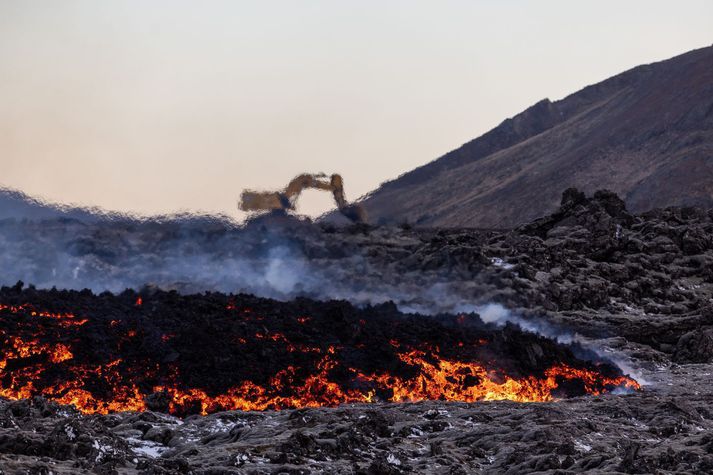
x: 71, y: 248
x: 281, y: 260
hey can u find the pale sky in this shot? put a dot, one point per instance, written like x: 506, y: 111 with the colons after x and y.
x: 159, y: 106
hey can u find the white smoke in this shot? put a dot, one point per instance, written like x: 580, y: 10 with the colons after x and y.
x: 194, y: 254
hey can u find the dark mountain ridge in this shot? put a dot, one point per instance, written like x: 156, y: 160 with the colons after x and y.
x: 646, y: 134
x: 15, y: 204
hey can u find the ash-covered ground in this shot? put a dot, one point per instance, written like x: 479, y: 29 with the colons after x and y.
x: 636, y: 289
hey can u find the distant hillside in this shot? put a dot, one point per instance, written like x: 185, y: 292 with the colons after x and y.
x: 15, y: 204
x: 18, y: 205
x: 646, y: 134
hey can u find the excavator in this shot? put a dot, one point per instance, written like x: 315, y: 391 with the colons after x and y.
x: 286, y: 199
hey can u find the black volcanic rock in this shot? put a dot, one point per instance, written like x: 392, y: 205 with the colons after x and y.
x: 695, y: 347
x: 601, y: 214
x: 635, y: 287
x: 215, y: 342
x: 664, y: 429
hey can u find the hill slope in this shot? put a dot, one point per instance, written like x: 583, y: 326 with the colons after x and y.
x: 15, y: 204
x: 646, y: 134
x: 18, y: 205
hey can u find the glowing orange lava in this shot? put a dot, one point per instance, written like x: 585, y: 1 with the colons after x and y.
x: 469, y: 382
x: 64, y: 319
x: 325, y: 382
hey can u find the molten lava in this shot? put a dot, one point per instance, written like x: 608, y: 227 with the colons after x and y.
x: 469, y: 382
x: 199, y: 354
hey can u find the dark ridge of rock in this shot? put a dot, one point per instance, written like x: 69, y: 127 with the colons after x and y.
x: 534, y: 120
x: 15, y: 204
x: 646, y: 134
x: 18, y: 206
x: 600, y: 214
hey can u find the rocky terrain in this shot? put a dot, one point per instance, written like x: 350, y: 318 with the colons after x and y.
x: 664, y: 429
x: 636, y: 289
x: 646, y: 134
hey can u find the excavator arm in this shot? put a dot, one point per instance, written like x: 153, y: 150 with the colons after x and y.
x: 267, y: 201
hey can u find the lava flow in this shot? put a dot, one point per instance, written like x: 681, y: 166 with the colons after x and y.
x: 212, y: 352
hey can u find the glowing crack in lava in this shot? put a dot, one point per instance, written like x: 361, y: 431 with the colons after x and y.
x: 202, y: 354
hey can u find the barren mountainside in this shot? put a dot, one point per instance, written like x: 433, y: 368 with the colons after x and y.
x: 646, y: 134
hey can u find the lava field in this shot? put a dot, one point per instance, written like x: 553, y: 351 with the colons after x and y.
x: 582, y: 341
x: 214, y: 352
